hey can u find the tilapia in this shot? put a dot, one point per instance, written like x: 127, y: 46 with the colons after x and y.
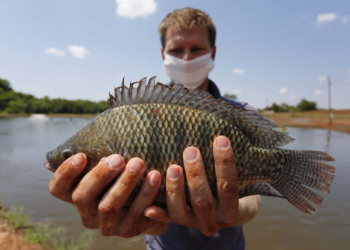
x: 157, y: 122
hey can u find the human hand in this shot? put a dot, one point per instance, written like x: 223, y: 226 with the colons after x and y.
x: 107, y: 213
x: 207, y: 215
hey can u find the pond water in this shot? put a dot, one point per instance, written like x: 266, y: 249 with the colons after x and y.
x: 278, y: 225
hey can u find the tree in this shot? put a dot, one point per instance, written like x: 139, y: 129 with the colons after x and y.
x: 306, y: 105
x: 4, y: 85
x: 17, y: 106
x: 6, y: 98
x: 230, y: 96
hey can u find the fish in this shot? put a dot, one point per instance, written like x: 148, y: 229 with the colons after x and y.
x: 156, y: 122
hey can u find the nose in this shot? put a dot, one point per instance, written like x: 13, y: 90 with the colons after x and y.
x: 188, y: 55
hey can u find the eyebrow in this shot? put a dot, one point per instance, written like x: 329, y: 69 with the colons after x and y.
x: 176, y: 46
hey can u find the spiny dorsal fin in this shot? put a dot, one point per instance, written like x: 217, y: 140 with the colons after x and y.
x: 256, y: 127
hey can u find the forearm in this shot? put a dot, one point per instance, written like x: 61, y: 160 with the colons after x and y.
x: 248, y: 208
x: 157, y: 229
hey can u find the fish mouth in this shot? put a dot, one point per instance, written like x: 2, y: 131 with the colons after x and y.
x: 47, y: 163
x: 48, y: 166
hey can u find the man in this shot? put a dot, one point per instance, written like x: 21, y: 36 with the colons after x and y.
x: 188, y: 50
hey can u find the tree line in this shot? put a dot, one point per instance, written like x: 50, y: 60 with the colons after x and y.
x: 12, y: 102
x: 303, y: 105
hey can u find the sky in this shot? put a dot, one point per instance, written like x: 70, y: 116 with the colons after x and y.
x: 267, y: 51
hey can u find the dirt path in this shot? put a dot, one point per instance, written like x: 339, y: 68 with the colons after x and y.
x: 12, y: 240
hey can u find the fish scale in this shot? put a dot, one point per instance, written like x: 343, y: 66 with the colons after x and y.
x: 156, y: 123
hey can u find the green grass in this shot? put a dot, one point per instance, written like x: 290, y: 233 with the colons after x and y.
x: 47, y: 234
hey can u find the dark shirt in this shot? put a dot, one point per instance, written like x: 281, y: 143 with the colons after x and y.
x: 178, y: 237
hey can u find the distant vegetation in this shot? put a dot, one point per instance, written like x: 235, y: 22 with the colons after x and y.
x: 303, y: 105
x: 12, y: 102
x: 231, y: 96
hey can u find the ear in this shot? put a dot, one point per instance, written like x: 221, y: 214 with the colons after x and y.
x: 162, y: 51
x: 213, y: 53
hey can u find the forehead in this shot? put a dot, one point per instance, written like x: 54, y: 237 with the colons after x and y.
x: 177, y: 36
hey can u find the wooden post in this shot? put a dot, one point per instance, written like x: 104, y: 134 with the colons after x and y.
x: 329, y: 101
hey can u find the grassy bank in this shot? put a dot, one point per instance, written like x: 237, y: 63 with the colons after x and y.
x: 18, y: 230
x: 314, y: 119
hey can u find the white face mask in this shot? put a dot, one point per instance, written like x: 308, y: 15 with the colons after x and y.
x: 190, y: 73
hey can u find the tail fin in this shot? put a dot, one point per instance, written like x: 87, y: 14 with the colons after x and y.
x: 303, y: 170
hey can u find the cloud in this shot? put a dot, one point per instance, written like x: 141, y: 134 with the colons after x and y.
x: 135, y: 8
x: 345, y: 19
x: 292, y: 97
x: 347, y: 81
x: 78, y: 51
x: 238, y: 71
x: 237, y: 91
x: 54, y: 51
x: 325, y: 18
x: 283, y: 90
x: 317, y: 92
x: 322, y: 78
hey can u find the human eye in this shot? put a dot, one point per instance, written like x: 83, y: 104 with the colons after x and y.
x: 197, y: 49
x: 175, y: 50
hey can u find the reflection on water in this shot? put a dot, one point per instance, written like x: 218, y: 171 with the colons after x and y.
x: 328, y: 140
x: 24, y: 180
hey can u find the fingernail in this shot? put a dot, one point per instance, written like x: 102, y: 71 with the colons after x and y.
x: 114, y: 161
x: 135, y: 165
x: 173, y: 173
x: 154, y: 178
x: 77, y: 160
x: 190, y: 154
x: 149, y: 212
x: 222, y: 142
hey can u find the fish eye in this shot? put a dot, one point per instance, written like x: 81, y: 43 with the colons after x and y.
x: 67, y: 153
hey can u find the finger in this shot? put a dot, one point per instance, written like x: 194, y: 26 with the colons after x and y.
x: 175, y: 195
x: 134, y: 222
x: 200, y: 194
x: 227, y: 182
x: 63, y: 181
x: 86, y: 195
x: 158, y: 214
x: 113, y: 201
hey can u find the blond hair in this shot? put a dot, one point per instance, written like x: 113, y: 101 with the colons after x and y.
x: 187, y: 18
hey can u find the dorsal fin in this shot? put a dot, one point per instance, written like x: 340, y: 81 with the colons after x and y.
x: 257, y: 128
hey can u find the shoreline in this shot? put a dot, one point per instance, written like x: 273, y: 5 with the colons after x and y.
x: 13, y: 239
x: 19, y: 232
x: 313, y: 119
x: 305, y: 119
